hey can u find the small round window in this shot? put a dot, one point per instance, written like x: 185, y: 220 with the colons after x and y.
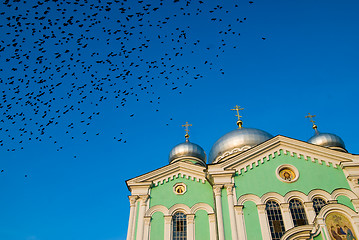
x: 180, y: 188
x: 287, y: 173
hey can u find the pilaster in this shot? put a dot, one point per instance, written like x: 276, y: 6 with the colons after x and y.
x: 141, y: 215
x: 168, y: 220
x: 240, y: 222
x: 132, y: 218
x: 212, y: 226
x: 287, y: 218
x: 232, y: 217
x: 263, y: 220
x: 217, y: 189
x: 146, y: 231
x: 190, y: 226
x: 309, y: 211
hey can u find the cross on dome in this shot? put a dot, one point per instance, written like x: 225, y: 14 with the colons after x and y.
x: 239, y: 122
x: 187, y: 130
x: 312, y: 121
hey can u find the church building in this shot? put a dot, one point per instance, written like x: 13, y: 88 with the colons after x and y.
x: 253, y: 186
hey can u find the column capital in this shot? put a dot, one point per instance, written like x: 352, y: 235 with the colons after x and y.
x: 229, y: 188
x: 168, y: 219
x: 308, y: 204
x: 239, y: 209
x: 332, y: 201
x: 284, y: 206
x: 217, y: 190
x: 147, y: 220
x: 261, y: 208
x: 190, y: 218
x: 212, y: 217
x: 143, y: 199
x: 133, y: 199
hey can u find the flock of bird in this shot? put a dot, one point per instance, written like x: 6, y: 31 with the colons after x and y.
x: 60, y: 61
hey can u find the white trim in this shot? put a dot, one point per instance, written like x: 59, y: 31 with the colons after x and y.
x: 319, y: 193
x: 272, y: 196
x: 179, y: 208
x: 249, y: 197
x: 343, y: 192
x: 295, y: 194
x: 202, y: 206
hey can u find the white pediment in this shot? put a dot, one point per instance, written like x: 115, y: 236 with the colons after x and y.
x: 168, y: 172
x: 278, y: 145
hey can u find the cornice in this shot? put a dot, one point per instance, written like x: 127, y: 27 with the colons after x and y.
x: 281, y: 144
x: 168, y: 172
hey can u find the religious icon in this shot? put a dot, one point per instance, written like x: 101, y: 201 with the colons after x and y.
x: 287, y: 174
x: 339, y: 226
x: 180, y: 189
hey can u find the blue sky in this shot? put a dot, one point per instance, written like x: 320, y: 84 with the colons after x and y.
x: 308, y: 62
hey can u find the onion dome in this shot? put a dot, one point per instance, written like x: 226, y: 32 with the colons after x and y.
x: 236, y: 141
x: 188, y: 152
x: 328, y: 140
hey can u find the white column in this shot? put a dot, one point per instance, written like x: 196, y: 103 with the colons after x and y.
x: 310, y: 212
x: 240, y: 222
x: 168, y: 221
x: 146, y: 231
x: 190, y: 226
x: 287, y: 218
x: 232, y: 217
x: 141, y: 215
x: 263, y: 221
x: 212, y: 226
x: 217, y: 193
x: 132, y: 218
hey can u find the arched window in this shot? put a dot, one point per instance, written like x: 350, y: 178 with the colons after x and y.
x: 298, y: 213
x: 275, y: 220
x: 179, y: 226
x: 318, y: 203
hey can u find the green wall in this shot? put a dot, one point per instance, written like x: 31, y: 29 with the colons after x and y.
x: 197, y: 192
x: 251, y: 220
x: 201, y: 225
x: 345, y: 201
x: 157, y: 226
x: 263, y: 179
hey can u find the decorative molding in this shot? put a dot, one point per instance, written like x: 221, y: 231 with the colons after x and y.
x: 169, y: 172
x: 217, y: 189
x: 343, y: 192
x: 202, y: 206
x: 247, y: 160
x: 298, y: 233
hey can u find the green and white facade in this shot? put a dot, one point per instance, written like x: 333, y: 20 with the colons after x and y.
x: 233, y: 196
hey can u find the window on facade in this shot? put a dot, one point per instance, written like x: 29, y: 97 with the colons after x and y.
x: 298, y: 213
x: 275, y: 220
x: 318, y: 203
x: 179, y: 226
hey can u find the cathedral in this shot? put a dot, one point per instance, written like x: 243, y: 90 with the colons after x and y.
x: 252, y: 186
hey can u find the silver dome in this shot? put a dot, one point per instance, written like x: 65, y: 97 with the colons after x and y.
x: 236, y: 141
x: 328, y: 140
x: 189, y: 152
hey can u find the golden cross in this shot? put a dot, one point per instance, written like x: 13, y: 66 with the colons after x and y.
x: 311, y: 118
x: 187, y: 130
x: 237, y: 108
x: 312, y: 121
